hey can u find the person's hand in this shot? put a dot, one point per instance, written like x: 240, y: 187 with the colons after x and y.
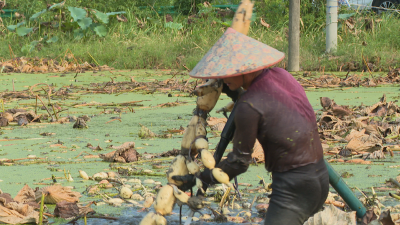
x: 207, y: 179
x: 188, y: 180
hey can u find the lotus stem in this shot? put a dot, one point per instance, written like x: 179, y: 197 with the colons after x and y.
x: 224, y: 197
x: 37, y: 96
x: 373, y: 193
x: 392, y: 137
x: 36, y: 106
x: 55, y: 112
x: 41, y: 209
x: 93, y: 59
x: 394, y: 196
x: 395, y: 182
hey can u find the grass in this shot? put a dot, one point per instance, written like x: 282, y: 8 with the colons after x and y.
x: 129, y: 47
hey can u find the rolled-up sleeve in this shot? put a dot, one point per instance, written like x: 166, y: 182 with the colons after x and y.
x: 246, y: 121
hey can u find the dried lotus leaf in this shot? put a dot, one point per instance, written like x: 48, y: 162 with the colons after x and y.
x: 123, y: 154
x: 5, y: 198
x: 124, y: 146
x: 11, y: 216
x: 23, y: 209
x: 57, y: 193
x: 367, y: 143
x: 3, y: 122
x: 26, y: 194
x: 325, y: 102
x: 8, y: 116
x: 109, y: 157
x: 218, y: 127
x: 328, y: 120
x: 332, y: 215
x: 359, y: 123
x: 258, y: 152
x: 372, y: 129
x: 354, y: 134
x: 66, y: 209
x: 340, y: 111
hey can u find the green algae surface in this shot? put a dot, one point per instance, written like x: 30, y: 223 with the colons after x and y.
x: 66, y: 148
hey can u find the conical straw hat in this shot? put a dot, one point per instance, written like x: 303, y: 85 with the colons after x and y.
x: 236, y: 54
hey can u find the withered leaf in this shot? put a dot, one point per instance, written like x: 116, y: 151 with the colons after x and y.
x: 66, y: 209
x: 265, y: 24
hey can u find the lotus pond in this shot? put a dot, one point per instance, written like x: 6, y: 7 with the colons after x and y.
x: 35, y: 153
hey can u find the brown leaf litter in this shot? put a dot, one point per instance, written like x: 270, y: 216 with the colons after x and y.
x: 68, y: 210
x: 365, y: 129
x: 43, y: 65
x: 21, y: 116
x: 355, y: 80
x: 57, y: 193
x: 356, y: 126
x: 124, y: 153
x: 173, y: 152
x: 332, y: 215
x: 164, y: 86
x: 21, y: 209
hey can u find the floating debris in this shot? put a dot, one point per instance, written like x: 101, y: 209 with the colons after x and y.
x: 80, y: 124
x: 124, y: 154
x: 332, y: 215
x: 57, y: 193
x: 358, y: 127
x: 43, y: 65
x: 145, y: 132
x: 66, y: 209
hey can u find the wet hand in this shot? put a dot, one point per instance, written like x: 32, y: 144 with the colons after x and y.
x: 188, y: 180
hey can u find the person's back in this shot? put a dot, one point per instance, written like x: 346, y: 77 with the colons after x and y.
x: 287, y: 128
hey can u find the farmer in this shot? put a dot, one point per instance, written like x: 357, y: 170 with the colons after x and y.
x: 275, y: 111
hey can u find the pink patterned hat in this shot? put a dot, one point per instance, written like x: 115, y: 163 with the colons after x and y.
x: 236, y: 54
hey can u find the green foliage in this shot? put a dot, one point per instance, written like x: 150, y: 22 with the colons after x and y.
x: 186, y: 7
x: 36, y: 15
x: 100, y: 30
x: 174, y: 26
x: 22, y: 31
x: 144, y: 44
x: 77, y: 13
x: 313, y: 12
x: 29, y: 7
x: 80, y: 23
x: 29, y: 47
x: 276, y: 12
x: 52, y: 40
x: 13, y: 27
x: 103, y: 17
x: 225, y: 2
x: 85, y: 23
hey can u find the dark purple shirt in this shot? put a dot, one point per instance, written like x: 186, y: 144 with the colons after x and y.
x: 276, y: 111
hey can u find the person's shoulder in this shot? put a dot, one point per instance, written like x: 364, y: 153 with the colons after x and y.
x: 278, y: 70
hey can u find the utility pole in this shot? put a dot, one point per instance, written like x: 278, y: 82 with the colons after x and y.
x: 294, y: 35
x: 331, y: 25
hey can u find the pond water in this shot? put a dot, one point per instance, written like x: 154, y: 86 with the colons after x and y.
x: 20, y: 142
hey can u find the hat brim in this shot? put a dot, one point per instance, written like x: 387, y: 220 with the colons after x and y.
x: 236, y: 54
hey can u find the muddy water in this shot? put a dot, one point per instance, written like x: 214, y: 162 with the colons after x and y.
x: 19, y: 142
